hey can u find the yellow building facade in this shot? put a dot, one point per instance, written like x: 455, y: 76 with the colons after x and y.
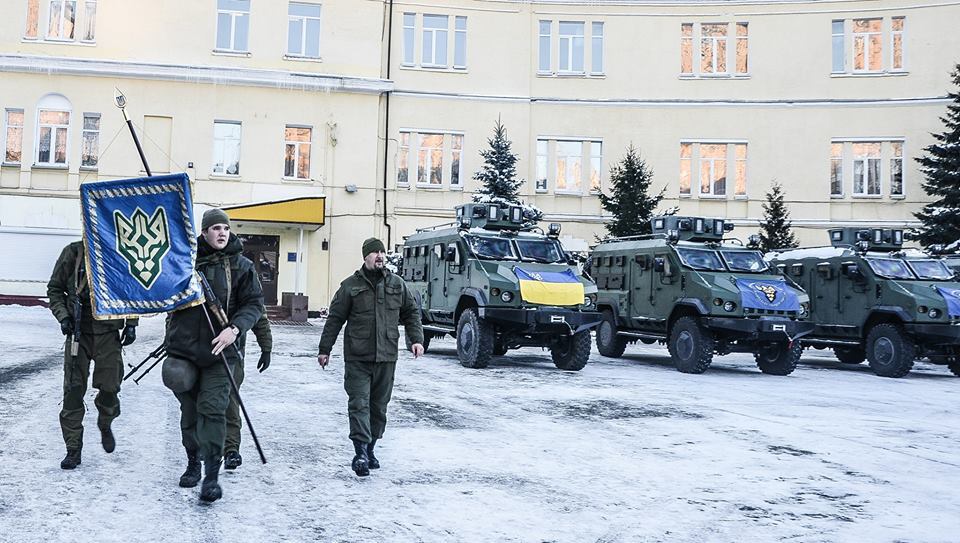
x: 377, y: 110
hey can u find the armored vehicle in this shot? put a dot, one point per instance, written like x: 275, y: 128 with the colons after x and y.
x: 874, y: 300
x: 685, y: 286
x: 496, y: 283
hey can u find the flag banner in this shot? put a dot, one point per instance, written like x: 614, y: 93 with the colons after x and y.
x: 140, y: 245
x: 549, y: 287
x: 952, y: 297
x: 767, y: 294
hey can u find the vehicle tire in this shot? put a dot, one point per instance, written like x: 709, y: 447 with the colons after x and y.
x: 778, y: 359
x: 474, y: 340
x: 850, y: 355
x: 608, y: 342
x: 890, y: 352
x: 691, y: 345
x: 572, y: 352
x: 426, y: 342
x: 499, y: 349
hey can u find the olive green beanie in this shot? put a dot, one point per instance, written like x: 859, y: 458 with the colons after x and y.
x: 372, y: 245
x: 214, y: 216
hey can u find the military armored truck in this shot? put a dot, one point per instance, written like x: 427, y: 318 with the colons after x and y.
x: 496, y: 283
x: 874, y: 300
x: 685, y: 286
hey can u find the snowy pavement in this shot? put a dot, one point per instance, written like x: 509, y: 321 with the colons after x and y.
x: 625, y: 450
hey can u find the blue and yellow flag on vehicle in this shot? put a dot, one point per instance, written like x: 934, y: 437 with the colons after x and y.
x: 140, y: 245
x: 550, y: 287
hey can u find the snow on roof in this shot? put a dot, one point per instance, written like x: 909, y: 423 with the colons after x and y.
x: 813, y: 252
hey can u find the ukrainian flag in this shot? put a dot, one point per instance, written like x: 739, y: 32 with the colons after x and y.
x: 550, y: 287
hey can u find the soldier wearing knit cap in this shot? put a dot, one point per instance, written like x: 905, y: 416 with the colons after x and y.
x: 372, y: 303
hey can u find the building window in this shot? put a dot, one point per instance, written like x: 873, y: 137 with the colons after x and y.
x: 233, y: 25
x: 67, y: 20
x: 13, y: 120
x: 303, y: 30
x: 436, y: 47
x: 460, y: 42
x: 575, y: 164
x: 716, y: 47
x: 836, y: 170
x: 896, y: 169
x: 542, y: 158
x: 435, y: 41
x: 33, y: 19
x: 569, y: 166
x: 571, y: 47
x: 596, y: 156
x: 430, y: 151
x: 226, y: 148
x: 713, y: 163
x: 596, y: 46
x: 90, y: 154
x: 544, y: 65
x: 89, y: 27
x: 866, y: 169
x: 409, y: 31
x: 63, y: 18
x: 863, y: 40
x: 52, y: 127
x: 296, y: 156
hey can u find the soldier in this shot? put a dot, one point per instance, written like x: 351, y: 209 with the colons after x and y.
x: 193, y: 369
x: 372, y: 302
x: 69, y: 294
x: 231, y: 449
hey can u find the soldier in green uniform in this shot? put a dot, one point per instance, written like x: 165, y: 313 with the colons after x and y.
x: 192, y: 349
x: 99, y: 340
x: 372, y: 302
x: 231, y: 449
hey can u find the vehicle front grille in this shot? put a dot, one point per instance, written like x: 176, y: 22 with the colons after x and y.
x: 779, y: 313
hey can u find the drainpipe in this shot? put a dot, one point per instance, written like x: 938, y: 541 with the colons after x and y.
x: 386, y: 125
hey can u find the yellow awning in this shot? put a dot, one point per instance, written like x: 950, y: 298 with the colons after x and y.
x: 307, y: 211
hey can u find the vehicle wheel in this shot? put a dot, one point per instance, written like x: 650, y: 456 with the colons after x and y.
x: 499, y: 349
x: 572, y: 352
x: 426, y: 342
x: 890, y: 351
x: 608, y: 342
x: 850, y: 355
x: 778, y: 359
x: 474, y: 340
x: 691, y: 345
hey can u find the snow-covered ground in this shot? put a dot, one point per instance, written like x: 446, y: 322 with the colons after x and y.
x: 625, y: 450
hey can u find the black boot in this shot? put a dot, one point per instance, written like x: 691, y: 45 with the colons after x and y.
x: 191, y: 477
x: 360, y: 463
x: 371, y: 459
x: 210, y: 491
x: 72, y: 459
x: 107, y: 439
x: 232, y: 460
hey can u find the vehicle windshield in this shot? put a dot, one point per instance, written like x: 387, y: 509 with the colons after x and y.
x: 700, y: 259
x: 930, y: 269
x: 494, y: 248
x: 890, y: 268
x: 744, y: 261
x: 539, y: 250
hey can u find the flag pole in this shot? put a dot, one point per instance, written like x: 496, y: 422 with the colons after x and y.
x: 121, y: 101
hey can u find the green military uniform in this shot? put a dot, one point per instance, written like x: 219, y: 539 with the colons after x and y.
x: 203, y: 409
x: 265, y: 340
x: 372, y: 304
x: 99, y: 341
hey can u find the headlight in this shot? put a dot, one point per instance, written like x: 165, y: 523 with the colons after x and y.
x: 934, y: 313
x: 729, y: 306
x: 507, y: 296
x: 717, y: 302
x: 495, y: 291
x: 922, y: 309
x: 804, y: 309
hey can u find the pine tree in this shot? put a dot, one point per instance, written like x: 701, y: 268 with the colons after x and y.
x: 631, y: 206
x: 775, y: 229
x: 498, y: 175
x: 940, y: 219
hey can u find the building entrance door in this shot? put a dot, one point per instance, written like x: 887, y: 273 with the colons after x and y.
x: 264, y: 252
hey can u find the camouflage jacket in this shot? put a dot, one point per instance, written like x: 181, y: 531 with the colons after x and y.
x: 62, y: 290
x: 372, y: 315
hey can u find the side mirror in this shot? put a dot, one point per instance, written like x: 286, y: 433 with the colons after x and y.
x: 825, y: 270
x: 659, y: 264
x: 452, y: 254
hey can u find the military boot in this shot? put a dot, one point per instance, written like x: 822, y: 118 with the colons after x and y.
x: 72, y: 459
x: 372, y: 461
x: 361, y: 463
x: 107, y: 439
x: 232, y: 460
x: 191, y: 477
x: 210, y: 491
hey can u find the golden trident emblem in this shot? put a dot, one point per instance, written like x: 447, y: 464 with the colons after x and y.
x: 768, y: 291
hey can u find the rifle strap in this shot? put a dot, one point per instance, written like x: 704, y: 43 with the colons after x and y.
x: 226, y: 305
x: 76, y: 277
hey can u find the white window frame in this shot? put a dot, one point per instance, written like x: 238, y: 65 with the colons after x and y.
x: 235, y: 15
x: 459, y: 33
x: 53, y: 139
x: 447, y: 151
x: 83, y: 138
x: 86, y: 20
x: 866, y: 46
x: 548, y: 49
x: 428, y: 162
x: 434, y: 38
x: 714, y: 50
x: 239, y: 145
x: 903, y: 44
x: 732, y: 152
x: 552, y: 158
x: 459, y: 162
x: 570, y: 46
x: 839, y: 161
x: 596, y: 164
x: 403, y: 151
x: 542, y: 166
x: 303, y: 28
x: 900, y: 159
x: 696, y: 160
x: 596, y: 48
x: 838, y: 40
x: 409, y: 37
x: 60, y: 29
x: 296, y: 153
x: 32, y: 25
x: 6, y: 133
x: 865, y: 160
x: 712, y: 193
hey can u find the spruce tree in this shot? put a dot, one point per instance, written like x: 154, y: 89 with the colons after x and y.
x: 629, y: 203
x: 775, y: 229
x: 940, y: 219
x: 498, y: 175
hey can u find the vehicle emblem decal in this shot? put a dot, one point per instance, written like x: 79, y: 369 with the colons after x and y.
x: 143, y: 242
x: 768, y: 291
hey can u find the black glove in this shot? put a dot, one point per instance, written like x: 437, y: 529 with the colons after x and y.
x: 128, y: 336
x: 66, y: 326
x: 264, y: 362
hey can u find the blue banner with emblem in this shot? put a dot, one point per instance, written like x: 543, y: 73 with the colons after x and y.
x: 767, y: 294
x: 140, y: 245
x: 952, y: 297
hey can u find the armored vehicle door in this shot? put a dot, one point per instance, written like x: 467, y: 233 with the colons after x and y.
x: 824, y: 291
x: 855, y: 293
x: 437, y: 279
x: 641, y: 288
x: 455, y: 274
x: 664, y: 275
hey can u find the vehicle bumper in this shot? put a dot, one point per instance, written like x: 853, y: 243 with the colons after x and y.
x: 762, y: 329
x: 551, y: 320
x: 934, y: 334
